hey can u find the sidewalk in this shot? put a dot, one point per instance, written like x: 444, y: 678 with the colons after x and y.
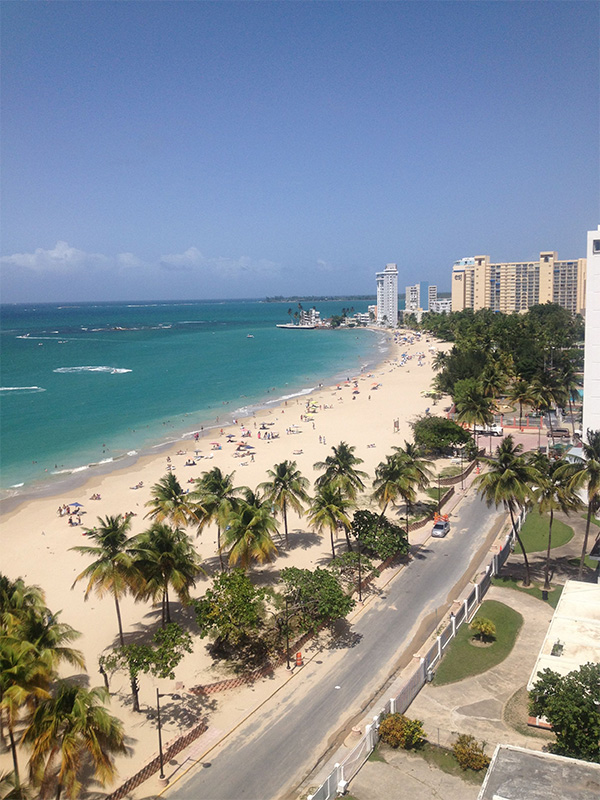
x: 234, y: 707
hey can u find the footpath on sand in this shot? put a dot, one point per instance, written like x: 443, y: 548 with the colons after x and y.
x: 242, y: 703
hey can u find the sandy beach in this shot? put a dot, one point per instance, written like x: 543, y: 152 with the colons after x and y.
x: 363, y: 411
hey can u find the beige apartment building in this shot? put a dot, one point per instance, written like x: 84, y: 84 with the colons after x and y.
x: 510, y: 288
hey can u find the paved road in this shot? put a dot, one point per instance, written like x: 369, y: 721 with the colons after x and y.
x: 275, y: 749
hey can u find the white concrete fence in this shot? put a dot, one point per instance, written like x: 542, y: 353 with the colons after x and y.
x: 337, y: 780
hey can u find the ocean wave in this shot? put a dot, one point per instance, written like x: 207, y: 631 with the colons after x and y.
x: 16, y: 486
x: 71, y: 471
x: 22, y: 389
x: 301, y: 393
x: 109, y: 370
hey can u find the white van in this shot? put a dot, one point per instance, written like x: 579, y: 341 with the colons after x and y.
x: 489, y: 430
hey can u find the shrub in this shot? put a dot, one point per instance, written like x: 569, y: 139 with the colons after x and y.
x: 469, y: 753
x: 398, y: 730
x: 484, y: 628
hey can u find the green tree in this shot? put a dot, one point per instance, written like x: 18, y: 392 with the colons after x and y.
x: 24, y: 681
x: 17, y: 599
x: 68, y: 732
x: 520, y: 392
x: 554, y: 493
x: 248, y: 535
x: 329, y: 510
x: 509, y: 481
x: 170, y: 644
x: 571, y: 704
x: 586, y: 476
x: 471, y: 404
x: 232, y: 610
x: 379, y: 537
x: 215, y: 496
x: 286, y: 487
x: 316, y: 597
x: 164, y: 557
x: 341, y: 468
x: 170, y: 503
x: 110, y: 571
x: 438, y: 434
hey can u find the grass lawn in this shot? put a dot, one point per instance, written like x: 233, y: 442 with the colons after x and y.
x: 463, y: 659
x: 589, y: 562
x: 534, y: 533
x: 440, y: 757
x: 534, y: 590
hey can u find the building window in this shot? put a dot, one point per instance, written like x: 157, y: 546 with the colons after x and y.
x: 596, y: 246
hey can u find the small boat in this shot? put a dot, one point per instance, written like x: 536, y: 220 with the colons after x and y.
x: 296, y: 327
x: 249, y: 336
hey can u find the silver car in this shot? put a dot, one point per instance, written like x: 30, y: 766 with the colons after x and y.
x: 441, y: 528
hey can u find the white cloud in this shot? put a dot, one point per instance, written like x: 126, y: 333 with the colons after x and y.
x: 221, y: 266
x: 63, y: 259
x: 129, y: 260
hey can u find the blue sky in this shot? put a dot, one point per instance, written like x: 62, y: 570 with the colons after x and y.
x: 170, y: 150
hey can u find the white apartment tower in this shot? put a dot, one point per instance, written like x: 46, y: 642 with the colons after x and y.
x: 387, y: 296
x: 591, y: 373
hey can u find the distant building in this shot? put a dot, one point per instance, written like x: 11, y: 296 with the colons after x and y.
x: 387, y: 296
x: 310, y: 317
x: 591, y: 374
x: 363, y: 318
x: 443, y: 306
x: 417, y: 297
x: 514, y: 287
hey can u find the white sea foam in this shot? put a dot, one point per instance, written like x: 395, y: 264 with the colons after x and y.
x: 109, y: 370
x: 16, y: 486
x: 70, y: 471
x: 22, y: 389
x: 290, y: 396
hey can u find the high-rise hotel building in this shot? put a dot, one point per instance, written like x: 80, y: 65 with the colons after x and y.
x: 591, y: 372
x: 387, y: 296
x: 510, y: 288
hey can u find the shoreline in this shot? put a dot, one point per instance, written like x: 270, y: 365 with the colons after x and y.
x: 68, y: 479
x: 37, y: 543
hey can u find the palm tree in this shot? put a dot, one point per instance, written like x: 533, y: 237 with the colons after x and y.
x: 411, y: 458
x: 249, y: 532
x: 286, y: 487
x: 471, y: 404
x: 553, y: 494
x: 329, y: 509
x: 169, y: 502
x: 18, y: 599
x: 215, y: 495
x: 24, y: 678
x: 520, y: 392
x: 509, y: 481
x: 111, y: 569
x: 164, y: 556
x: 51, y: 639
x: 492, y: 379
x: 569, y: 380
x: 586, y: 475
x: 68, y: 731
x: 341, y: 467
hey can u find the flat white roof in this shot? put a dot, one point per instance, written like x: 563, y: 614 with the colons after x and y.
x: 576, y: 626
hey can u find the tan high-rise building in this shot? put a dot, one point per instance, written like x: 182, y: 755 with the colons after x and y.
x: 510, y: 288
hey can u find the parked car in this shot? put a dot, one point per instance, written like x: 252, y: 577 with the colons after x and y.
x: 441, y: 528
x: 489, y: 430
x: 559, y: 433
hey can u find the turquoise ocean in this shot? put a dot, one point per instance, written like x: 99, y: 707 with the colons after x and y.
x: 90, y: 386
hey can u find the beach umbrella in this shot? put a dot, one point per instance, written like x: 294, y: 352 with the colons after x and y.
x: 356, y: 391
x: 77, y: 505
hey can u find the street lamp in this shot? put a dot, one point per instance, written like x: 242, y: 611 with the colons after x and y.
x: 439, y: 493
x: 287, y: 635
x: 359, y: 572
x: 160, y: 750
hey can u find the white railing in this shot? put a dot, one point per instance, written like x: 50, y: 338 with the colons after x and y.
x: 342, y: 773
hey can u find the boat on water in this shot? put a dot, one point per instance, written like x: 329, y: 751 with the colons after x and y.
x: 250, y: 336
x: 296, y: 327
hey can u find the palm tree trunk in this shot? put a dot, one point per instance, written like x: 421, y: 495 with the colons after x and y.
x: 285, y: 527
x: 585, y: 541
x: 571, y: 414
x: 219, y: 547
x: 167, y: 607
x: 521, y: 416
x: 121, y: 639
x: 13, y: 747
x: 332, y: 542
x: 347, y: 533
x: 547, y: 567
x: 527, y: 580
